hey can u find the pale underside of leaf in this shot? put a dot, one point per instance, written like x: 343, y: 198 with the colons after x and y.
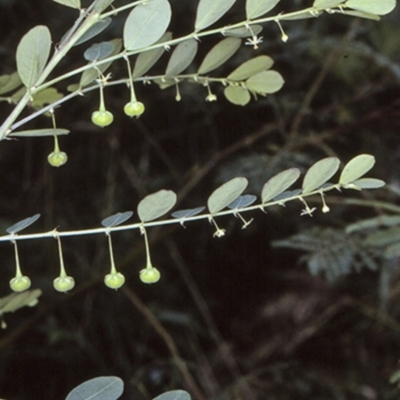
x: 376, y: 7
x: 156, y: 205
x: 40, y: 132
x: 187, y: 213
x: 100, y: 388
x: 210, y: 11
x: 32, y: 53
x: 93, y: 31
x: 21, y: 225
x: 256, y: 8
x: 146, y: 24
x: 226, y: 194
x: 320, y: 173
x: 242, y: 202
x: 279, y: 183
x: 91, y: 74
x: 70, y: 3
x: 356, y: 168
x: 237, y: 95
x: 98, y: 51
x: 116, y: 219
x: 265, y: 82
x: 219, y: 54
x: 147, y: 59
x: 181, y: 57
x: 251, y: 67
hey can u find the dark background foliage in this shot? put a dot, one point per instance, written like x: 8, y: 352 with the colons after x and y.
x: 248, y: 319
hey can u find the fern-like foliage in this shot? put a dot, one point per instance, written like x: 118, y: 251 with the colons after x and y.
x: 331, y: 252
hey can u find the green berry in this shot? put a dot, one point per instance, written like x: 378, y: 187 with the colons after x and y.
x: 150, y: 275
x: 134, y: 109
x: 114, y: 281
x: 20, y: 283
x: 63, y: 284
x: 57, y: 158
x: 102, y: 118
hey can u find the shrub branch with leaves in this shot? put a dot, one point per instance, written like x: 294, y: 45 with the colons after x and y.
x: 144, y: 41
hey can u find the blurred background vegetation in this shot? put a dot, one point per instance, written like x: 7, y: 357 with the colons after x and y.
x: 239, y: 317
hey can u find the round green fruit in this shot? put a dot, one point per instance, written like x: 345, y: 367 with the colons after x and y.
x: 134, y: 109
x: 150, y: 275
x: 102, y: 118
x: 63, y: 284
x: 114, y: 281
x: 20, y: 283
x: 57, y: 158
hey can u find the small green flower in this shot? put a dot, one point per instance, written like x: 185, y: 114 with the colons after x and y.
x: 20, y: 283
x: 150, y: 275
x: 134, y: 109
x: 102, y: 118
x: 114, y: 280
x: 64, y: 284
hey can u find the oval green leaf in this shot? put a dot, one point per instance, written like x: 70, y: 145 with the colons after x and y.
x: 101, y: 388
x: 9, y: 83
x: 101, y: 5
x: 146, y: 24
x: 242, y: 202
x: 116, y: 219
x: 361, y: 14
x: 323, y: 4
x: 147, y: 59
x: 98, y: 51
x: 279, y: 183
x: 181, y: 57
x: 244, y: 32
x: 356, y: 168
x: 15, y: 301
x: 180, y: 214
x: 376, y: 7
x: 70, y: 3
x: 319, y: 173
x: 369, y: 183
x: 93, y: 31
x: 40, y: 132
x: 226, y: 194
x: 265, y: 82
x: 91, y: 74
x: 174, y: 395
x: 32, y: 53
x: 220, y: 53
x: 256, y: 8
x: 237, y: 95
x: 21, y: 225
x: 210, y: 11
x: 46, y: 96
x: 156, y: 205
x: 251, y: 67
